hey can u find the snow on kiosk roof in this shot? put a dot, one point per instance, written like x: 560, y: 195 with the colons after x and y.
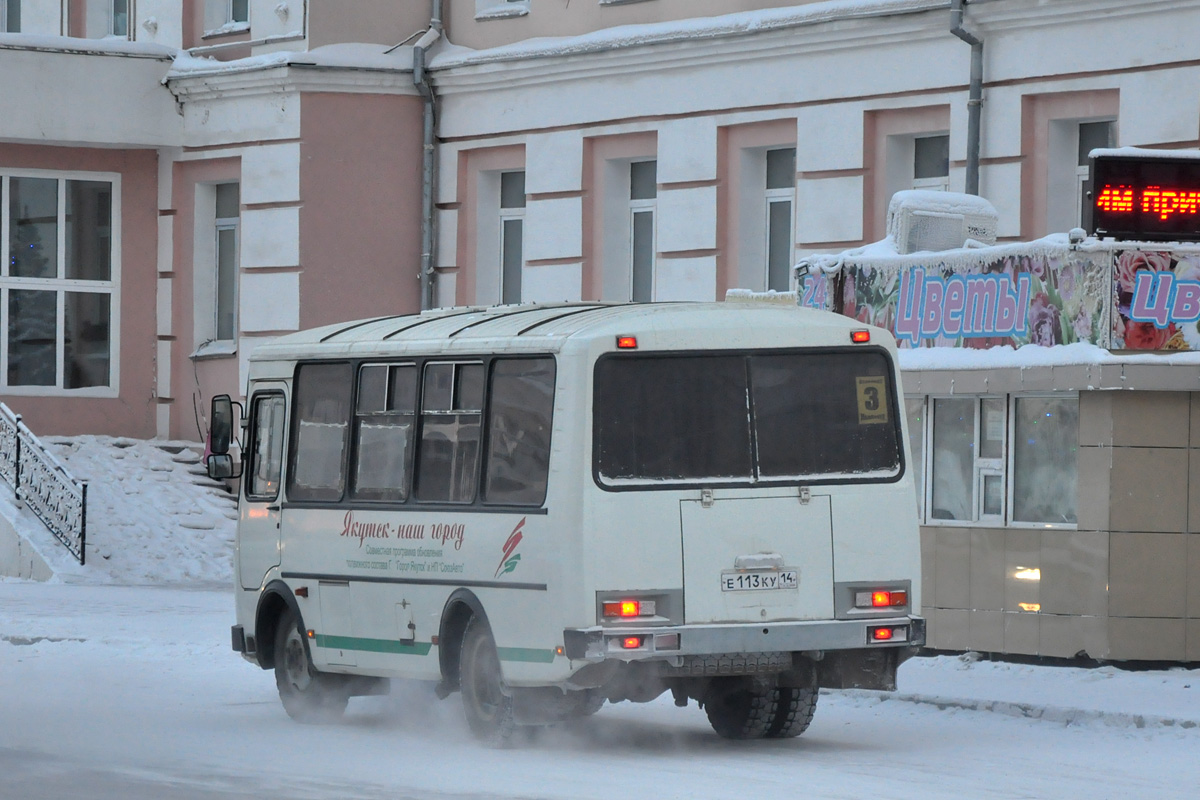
x: 549, y: 327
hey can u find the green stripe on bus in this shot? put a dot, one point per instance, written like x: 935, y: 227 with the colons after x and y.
x: 373, y: 645
x: 532, y: 654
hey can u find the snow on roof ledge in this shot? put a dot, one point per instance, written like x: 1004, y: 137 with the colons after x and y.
x: 109, y: 46
x: 1142, y: 152
x: 1032, y: 355
x: 346, y: 55
x: 732, y: 24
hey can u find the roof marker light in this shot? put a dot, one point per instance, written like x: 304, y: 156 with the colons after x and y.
x: 627, y: 343
x: 860, y: 337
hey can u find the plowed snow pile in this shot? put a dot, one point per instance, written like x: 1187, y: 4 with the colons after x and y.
x: 153, y: 516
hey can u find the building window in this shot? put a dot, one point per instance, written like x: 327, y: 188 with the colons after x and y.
x: 226, y: 16
x: 120, y: 18
x: 10, y: 16
x: 1067, y: 146
x: 931, y: 162
x: 226, y: 264
x: 781, y: 196
x: 58, y: 282
x: 512, y: 229
x: 995, y: 461
x: 643, y: 194
x: 1091, y: 135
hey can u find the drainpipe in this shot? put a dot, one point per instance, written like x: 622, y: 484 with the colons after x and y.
x: 421, y: 80
x: 975, y: 94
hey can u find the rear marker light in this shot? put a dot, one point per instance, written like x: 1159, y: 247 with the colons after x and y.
x: 631, y: 642
x: 627, y: 343
x: 860, y: 337
x: 881, y: 599
x: 881, y: 634
x: 626, y: 609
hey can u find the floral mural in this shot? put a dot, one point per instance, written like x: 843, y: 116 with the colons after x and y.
x: 1043, y: 299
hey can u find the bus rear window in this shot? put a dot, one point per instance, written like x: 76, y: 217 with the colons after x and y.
x: 759, y: 417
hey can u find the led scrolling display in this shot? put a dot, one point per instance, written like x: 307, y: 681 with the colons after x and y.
x: 1147, y: 197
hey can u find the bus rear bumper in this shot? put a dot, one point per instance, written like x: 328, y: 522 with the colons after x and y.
x: 597, y: 644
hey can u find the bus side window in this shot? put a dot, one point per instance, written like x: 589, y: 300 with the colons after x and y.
x: 384, y: 418
x: 520, y: 410
x: 266, y: 448
x: 320, y: 432
x: 451, y: 412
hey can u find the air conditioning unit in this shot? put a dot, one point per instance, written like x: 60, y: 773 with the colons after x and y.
x: 926, y: 220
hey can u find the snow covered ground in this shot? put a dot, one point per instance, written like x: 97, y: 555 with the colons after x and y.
x: 117, y: 681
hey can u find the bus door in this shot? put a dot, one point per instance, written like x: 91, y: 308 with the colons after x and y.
x: 258, y: 525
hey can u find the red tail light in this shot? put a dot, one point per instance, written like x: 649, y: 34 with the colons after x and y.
x: 881, y: 634
x: 631, y: 642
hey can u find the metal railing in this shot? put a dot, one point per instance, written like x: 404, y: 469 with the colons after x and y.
x: 40, y: 481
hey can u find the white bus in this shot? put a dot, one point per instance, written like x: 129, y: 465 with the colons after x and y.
x: 546, y: 507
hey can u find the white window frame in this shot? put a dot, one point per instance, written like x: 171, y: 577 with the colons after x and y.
x: 773, y: 196
x: 226, y: 224
x: 1083, y: 171
x: 61, y: 285
x: 113, y: 16
x: 937, y: 183
x: 4, y: 9
x: 509, y: 214
x: 982, y: 467
x: 218, y: 18
x: 643, y: 206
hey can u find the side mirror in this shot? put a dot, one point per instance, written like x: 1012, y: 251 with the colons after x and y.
x: 220, y: 466
x: 220, y: 430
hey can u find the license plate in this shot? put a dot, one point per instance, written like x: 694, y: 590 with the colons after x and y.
x: 759, y: 580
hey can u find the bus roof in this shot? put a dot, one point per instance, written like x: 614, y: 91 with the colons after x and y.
x: 546, y: 327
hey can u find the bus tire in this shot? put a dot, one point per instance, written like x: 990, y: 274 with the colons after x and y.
x: 794, y: 710
x: 740, y: 708
x: 308, y: 695
x: 489, y: 710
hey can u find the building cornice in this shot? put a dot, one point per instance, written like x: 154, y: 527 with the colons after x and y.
x: 749, y: 36
x: 918, y: 22
x: 293, y: 77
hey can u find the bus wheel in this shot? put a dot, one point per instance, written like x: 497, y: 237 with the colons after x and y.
x: 489, y: 710
x: 307, y: 695
x: 793, y: 712
x: 740, y: 708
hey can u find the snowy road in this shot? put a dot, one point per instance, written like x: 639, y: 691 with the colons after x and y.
x: 110, y: 692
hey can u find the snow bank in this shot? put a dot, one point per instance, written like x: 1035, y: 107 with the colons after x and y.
x: 153, y: 517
